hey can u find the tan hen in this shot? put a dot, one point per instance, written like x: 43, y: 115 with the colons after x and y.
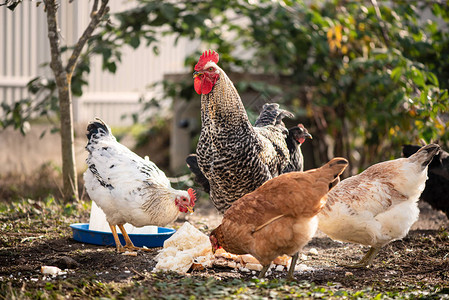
x: 378, y: 205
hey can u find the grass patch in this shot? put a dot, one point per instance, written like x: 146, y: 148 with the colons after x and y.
x: 170, y: 286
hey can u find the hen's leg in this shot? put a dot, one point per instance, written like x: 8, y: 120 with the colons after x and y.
x: 117, y: 241
x: 366, y: 260
x: 292, y: 266
x: 263, y: 271
x: 129, y: 244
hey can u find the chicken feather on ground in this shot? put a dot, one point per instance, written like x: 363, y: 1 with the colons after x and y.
x: 128, y: 188
x: 279, y: 217
x: 234, y: 156
x: 378, y: 205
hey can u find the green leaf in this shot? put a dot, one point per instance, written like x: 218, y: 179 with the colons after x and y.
x: 134, y: 42
x: 417, y: 77
x: 112, y: 67
x: 42, y: 134
x: 432, y: 79
x: 168, y: 11
x: 396, y: 73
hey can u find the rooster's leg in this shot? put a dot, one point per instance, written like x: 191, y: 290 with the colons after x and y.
x: 129, y: 244
x: 366, y: 260
x: 292, y: 266
x: 263, y: 271
x: 117, y: 241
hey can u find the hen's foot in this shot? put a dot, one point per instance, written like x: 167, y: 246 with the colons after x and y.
x: 292, y: 267
x: 366, y: 260
x: 263, y: 271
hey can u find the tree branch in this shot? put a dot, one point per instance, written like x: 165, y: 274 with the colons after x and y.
x: 96, y: 17
x: 94, y: 8
x: 53, y: 36
x: 381, y: 23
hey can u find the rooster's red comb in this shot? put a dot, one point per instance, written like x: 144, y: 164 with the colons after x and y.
x: 192, y: 195
x: 208, y: 55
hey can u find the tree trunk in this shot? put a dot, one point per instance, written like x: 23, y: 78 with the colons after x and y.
x: 63, y: 77
x: 65, y: 105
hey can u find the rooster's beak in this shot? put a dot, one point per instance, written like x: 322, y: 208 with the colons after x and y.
x: 189, y: 208
x: 197, y: 73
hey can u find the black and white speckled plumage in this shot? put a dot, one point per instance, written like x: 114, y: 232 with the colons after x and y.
x: 272, y: 114
x: 234, y: 156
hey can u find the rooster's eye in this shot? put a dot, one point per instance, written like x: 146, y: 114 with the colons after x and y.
x: 211, y: 69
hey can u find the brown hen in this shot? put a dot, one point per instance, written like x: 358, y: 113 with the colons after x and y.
x: 279, y: 217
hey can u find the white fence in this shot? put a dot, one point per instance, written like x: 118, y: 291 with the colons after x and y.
x: 24, y: 47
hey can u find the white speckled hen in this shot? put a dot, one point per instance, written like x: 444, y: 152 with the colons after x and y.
x: 234, y: 156
x: 378, y: 205
x: 128, y: 188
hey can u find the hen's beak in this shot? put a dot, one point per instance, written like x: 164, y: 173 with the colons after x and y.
x: 308, y: 135
x: 197, y: 73
x: 189, y: 208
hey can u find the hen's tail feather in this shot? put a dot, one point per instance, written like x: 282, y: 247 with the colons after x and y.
x: 271, y: 114
x: 337, y: 166
x: 192, y: 163
x: 97, y: 128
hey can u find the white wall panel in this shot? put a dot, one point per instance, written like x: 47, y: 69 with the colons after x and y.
x: 24, y: 47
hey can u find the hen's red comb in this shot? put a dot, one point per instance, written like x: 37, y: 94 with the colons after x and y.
x: 208, y: 55
x: 300, y: 125
x: 192, y: 195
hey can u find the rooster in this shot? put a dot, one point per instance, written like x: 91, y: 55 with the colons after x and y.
x: 378, y: 205
x: 271, y: 114
x: 279, y: 217
x: 128, y: 188
x: 234, y: 156
x: 436, y: 192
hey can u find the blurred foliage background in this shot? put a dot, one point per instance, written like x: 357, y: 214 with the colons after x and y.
x: 365, y: 77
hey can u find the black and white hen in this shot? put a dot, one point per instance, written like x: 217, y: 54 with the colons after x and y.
x: 296, y: 137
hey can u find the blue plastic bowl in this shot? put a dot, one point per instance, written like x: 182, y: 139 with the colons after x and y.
x: 81, y: 233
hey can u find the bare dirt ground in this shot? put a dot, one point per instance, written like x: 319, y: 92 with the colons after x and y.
x: 27, y: 243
